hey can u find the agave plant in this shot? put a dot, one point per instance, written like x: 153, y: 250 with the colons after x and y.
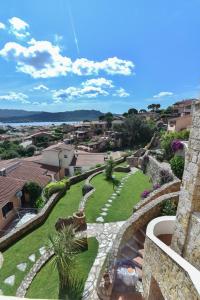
x: 65, y: 246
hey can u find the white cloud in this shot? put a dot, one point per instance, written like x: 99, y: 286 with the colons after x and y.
x: 42, y: 59
x: 121, y: 93
x: 78, y: 92
x: 41, y: 87
x: 18, y: 27
x: 2, y: 25
x: 13, y: 96
x: 37, y: 103
x: 163, y: 94
x: 111, y: 66
x: 99, y: 82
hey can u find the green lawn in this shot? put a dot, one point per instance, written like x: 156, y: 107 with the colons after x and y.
x: 30, y: 244
x: 122, y: 206
x: 39, y: 287
x: 103, y: 190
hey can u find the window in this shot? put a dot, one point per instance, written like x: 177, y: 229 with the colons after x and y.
x: 8, y: 207
x: 65, y: 156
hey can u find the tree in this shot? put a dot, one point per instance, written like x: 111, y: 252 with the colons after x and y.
x: 153, y: 107
x: 30, y: 150
x: 109, y: 169
x: 34, y: 190
x: 66, y: 246
x: 132, y: 111
x: 142, y: 111
x: 157, y: 106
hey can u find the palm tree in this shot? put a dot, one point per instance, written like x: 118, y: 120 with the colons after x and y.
x: 65, y: 246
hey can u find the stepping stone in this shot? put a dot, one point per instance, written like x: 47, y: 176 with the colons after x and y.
x: 107, y: 205
x: 42, y: 250
x: 104, y: 209
x: 114, y: 194
x: 22, y: 267
x: 113, y: 197
x: 32, y: 257
x: 110, y: 201
x: 103, y: 214
x: 100, y: 219
x: 10, y: 280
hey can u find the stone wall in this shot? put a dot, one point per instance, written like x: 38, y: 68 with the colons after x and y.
x: 154, y: 167
x: 140, y: 218
x: 173, y: 282
x: 171, y: 187
x: 192, y: 248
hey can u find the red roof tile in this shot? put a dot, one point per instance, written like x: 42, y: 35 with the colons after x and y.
x: 9, y: 187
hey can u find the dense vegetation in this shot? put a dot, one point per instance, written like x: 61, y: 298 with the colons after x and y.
x: 10, y: 150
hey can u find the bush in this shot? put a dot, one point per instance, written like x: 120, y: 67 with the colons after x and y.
x: 176, y: 145
x: 98, y: 165
x: 165, y: 176
x: 55, y: 187
x: 34, y: 190
x: 168, y: 138
x: 177, y: 164
x: 169, y: 208
x: 109, y: 169
x: 39, y: 203
x: 145, y: 194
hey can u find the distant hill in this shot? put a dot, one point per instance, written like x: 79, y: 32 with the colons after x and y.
x: 18, y: 116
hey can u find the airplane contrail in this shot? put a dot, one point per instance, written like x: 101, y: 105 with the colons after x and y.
x: 73, y: 28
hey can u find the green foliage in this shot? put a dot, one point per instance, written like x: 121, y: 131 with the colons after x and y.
x: 109, y: 169
x: 167, y: 138
x: 34, y: 190
x: 169, y: 208
x: 55, y: 187
x: 98, y: 165
x: 177, y: 164
x: 135, y: 131
x: 10, y: 150
x: 39, y: 203
x: 30, y: 150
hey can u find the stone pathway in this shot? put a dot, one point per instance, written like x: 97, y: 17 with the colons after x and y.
x: 105, y: 234
x: 115, y: 194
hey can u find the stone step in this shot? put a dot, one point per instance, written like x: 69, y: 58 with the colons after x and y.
x: 141, y: 252
x: 138, y: 261
x: 139, y: 272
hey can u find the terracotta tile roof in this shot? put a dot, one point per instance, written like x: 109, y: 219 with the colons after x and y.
x: 88, y: 159
x: 30, y: 171
x: 9, y: 187
x: 60, y: 146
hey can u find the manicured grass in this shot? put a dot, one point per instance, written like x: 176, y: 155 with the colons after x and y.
x: 103, y: 190
x: 30, y: 244
x: 39, y: 287
x: 122, y: 206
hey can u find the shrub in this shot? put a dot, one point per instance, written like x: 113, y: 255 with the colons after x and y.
x: 177, y: 164
x: 165, y: 176
x: 156, y: 186
x: 145, y: 194
x: 109, y: 169
x: 98, y: 165
x: 34, y: 190
x: 176, y: 145
x: 169, y: 208
x: 39, y: 203
x: 55, y: 187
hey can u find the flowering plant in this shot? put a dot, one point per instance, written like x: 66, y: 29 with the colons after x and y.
x: 176, y: 145
x: 156, y: 186
x: 145, y: 194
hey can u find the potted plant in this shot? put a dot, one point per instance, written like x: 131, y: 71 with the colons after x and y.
x: 80, y: 220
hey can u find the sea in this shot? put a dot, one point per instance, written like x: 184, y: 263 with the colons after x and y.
x: 37, y: 124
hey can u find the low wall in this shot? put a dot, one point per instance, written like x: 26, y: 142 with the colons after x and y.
x: 124, y: 169
x: 138, y: 220
x: 171, y: 187
x: 38, y: 220
x: 168, y: 278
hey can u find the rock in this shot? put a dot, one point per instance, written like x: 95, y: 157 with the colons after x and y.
x: 104, y: 209
x: 107, y: 205
x: 32, y: 257
x: 110, y: 201
x: 1, y: 292
x: 103, y: 214
x: 22, y: 267
x: 10, y: 280
x: 42, y: 250
x: 100, y: 219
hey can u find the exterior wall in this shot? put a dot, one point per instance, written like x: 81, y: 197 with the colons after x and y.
x: 191, y: 252
x: 181, y: 123
x: 52, y: 157
x: 189, y: 196
x: 173, y: 281
x: 5, y: 221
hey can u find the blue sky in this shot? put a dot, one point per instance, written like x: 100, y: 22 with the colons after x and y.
x: 58, y: 55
